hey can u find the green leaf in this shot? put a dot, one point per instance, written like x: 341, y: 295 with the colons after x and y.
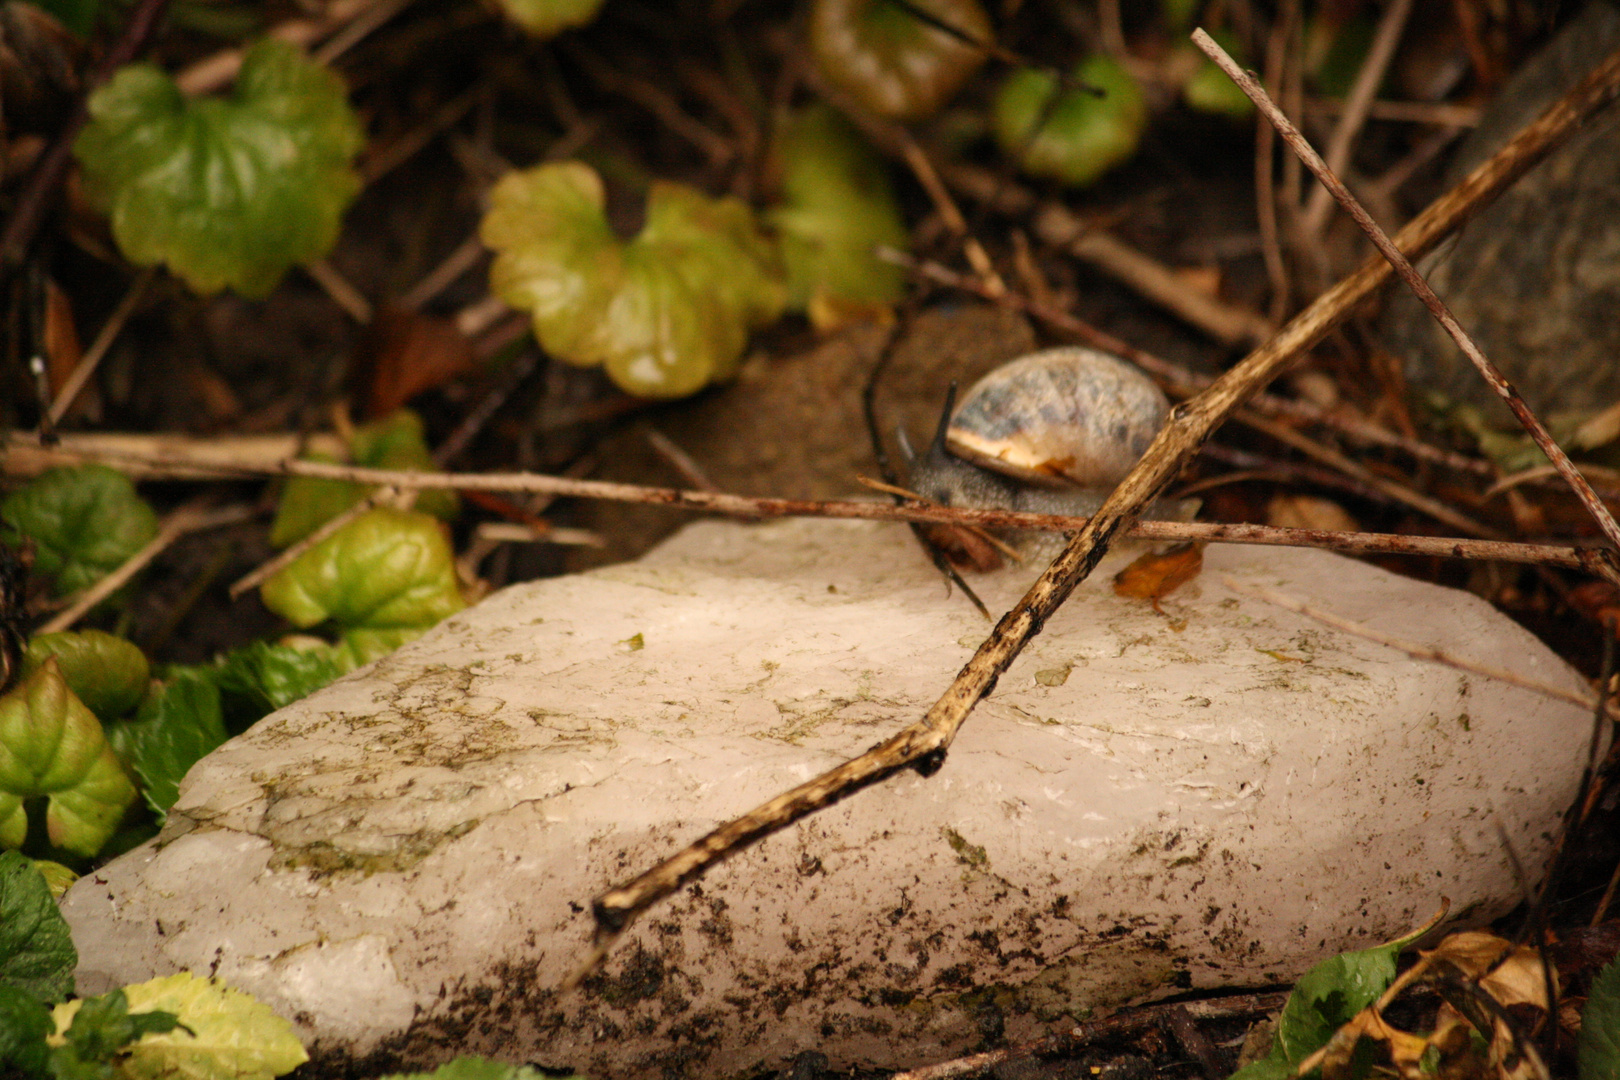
x: 178, y: 723
x: 84, y: 520
x: 25, y: 1023
x: 1083, y: 135
x: 665, y: 313
x: 36, y: 951
x: 893, y: 62
x: 394, y: 442
x: 1598, y: 1052
x: 260, y: 678
x: 226, y: 191
x: 838, y: 205
x: 476, y: 1068
x: 224, y: 1033
x: 102, y: 1026
x: 383, y: 579
x: 50, y: 744
x: 105, y: 672
x: 548, y: 18
x: 1325, y: 998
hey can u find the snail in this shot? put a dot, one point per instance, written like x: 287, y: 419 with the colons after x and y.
x: 1051, y: 432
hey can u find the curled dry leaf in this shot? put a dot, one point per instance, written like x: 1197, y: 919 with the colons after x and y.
x: 1158, y: 574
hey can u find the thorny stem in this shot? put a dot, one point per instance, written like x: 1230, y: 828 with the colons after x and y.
x: 922, y: 745
x: 1408, y: 274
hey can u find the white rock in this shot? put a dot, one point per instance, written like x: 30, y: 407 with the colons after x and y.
x: 403, y: 863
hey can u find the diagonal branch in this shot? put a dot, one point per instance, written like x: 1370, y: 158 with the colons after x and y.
x: 922, y: 745
x: 1403, y: 267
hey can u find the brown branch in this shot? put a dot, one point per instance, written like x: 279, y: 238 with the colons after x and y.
x: 1129, y: 1022
x: 195, y: 464
x: 187, y: 519
x: 922, y: 745
x: 1403, y: 267
x: 1356, y: 105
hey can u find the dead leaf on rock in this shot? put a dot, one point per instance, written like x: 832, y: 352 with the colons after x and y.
x: 1158, y: 574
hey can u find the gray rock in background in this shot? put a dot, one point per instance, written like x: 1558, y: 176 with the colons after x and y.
x: 1218, y: 795
x: 1535, y: 279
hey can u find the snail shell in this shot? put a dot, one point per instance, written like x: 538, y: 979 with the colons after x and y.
x: 1069, y: 413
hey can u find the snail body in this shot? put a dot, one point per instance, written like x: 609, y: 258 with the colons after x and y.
x: 1051, y: 432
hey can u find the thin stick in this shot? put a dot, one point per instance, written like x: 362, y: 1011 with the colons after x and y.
x: 1403, y: 267
x: 195, y: 467
x: 340, y: 289
x: 928, y: 177
x: 185, y: 520
x: 1411, y: 648
x: 1390, y: 488
x: 108, y: 333
x: 1368, y: 79
x: 265, y: 570
x: 1125, y: 1023
x: 922, y: 745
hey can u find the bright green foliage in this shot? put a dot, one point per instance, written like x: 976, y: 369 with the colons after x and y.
x: 1598, y: 1052
x: 226, y: 191
x: 25, y: 1022
x: 260, y: 678
x: 394, y: 442
x: 1084, y: 135
x: 105, y: 672
x: 383, y: 579
x: 1323, y: 1000
x: 665, y: 313
x: 223, y: 1034
x: 476, y: 1068
x: 51, y: 745
x: 36, y: 954
x: 548, y: 18
x: 1212, y: 90
x: 84, y: 520
x: 99, y: 1030
x: 891, y: 61
x: 178, y: 723
x: 838, y: 205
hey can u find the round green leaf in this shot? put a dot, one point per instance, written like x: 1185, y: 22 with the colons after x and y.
x: 396, y: 441
x: 837, y: 207
x: 388, y: 570
x: 84, y: 520
x: 666, y: 313
x: 229, y: 192
x: 105, y: 672
x: 891, y: 61
x: 51, y: 745
x: 1083, y: 135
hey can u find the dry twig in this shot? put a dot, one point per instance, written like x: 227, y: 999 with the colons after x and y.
x: 194, y: 466
x: 193, y: 518
x: 1403, y: 267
